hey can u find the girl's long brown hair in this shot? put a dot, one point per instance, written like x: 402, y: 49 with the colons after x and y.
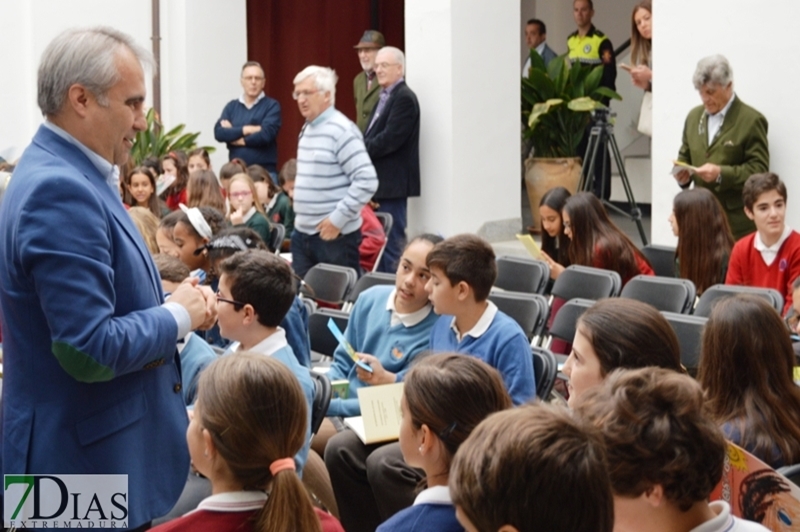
x: 640, y: 47
x: 152, y: 204
x: 255, y: 411
x: 746, y: 369
x: 451, y: 393
x: 558, y: 246
x: 596, y: 240
x: 179, y: 160
x: 704, y: 240
x: 204, y: 190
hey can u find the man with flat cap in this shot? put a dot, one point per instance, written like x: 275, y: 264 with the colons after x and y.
x: 365, y: 86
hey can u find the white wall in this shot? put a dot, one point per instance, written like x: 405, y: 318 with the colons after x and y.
x: 469, y: 100
x: 758, y: 39
x: 199, y: 72
x: 202, y: 56
x: 28, y: 28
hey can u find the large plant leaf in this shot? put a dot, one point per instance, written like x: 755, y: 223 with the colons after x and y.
x: 592, y: 80
x: 605, y: 92
x: 584, y: 104
x: 156, y: 142
x: 537, y: 63
x: 541, y: 109
x: 544, y: 86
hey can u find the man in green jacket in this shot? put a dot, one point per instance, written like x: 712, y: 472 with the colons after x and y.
x: 365, y: 86
x: 725, y: 140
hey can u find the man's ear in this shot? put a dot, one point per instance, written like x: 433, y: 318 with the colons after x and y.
x: 749, y: 213
x: 78, y: 97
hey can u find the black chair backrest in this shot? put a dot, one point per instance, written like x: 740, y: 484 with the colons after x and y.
x: 367, y: 281
x: 329, y: 283
x: 710, y: 296
x: 662, y: 259
x: 386, y: 221
x: 566, y: 320
x: 522, y: 275
x: 664, y: 293
x: 792, y: 472
x: 322, y: 399
x: 545, y: 370
x: 321, y: 338
x: 276, y: 236
x: 689, y: 330
x: 528, y: 310
x: 585, y: 282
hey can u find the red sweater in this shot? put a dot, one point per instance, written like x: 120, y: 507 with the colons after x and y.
x: 601, y: 256
x: 748, y: 268
x: 210, y: 521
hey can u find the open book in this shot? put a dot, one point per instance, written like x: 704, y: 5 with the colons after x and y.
x: 380, y: 413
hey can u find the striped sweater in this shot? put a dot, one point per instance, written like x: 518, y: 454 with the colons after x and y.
x: 335, y: 177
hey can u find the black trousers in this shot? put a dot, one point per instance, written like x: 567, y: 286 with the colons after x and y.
x: 371, y: 482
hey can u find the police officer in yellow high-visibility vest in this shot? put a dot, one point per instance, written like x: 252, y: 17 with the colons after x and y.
x: 589, y: 46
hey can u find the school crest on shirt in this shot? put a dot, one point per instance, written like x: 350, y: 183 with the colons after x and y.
x: 396, y: 353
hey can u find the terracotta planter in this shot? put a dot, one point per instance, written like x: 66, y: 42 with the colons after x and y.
x: 542, y: 174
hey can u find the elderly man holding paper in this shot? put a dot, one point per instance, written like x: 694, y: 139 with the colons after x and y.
x: 724, y: 142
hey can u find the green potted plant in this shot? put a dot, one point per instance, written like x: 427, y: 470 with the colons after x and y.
x: 557, y: 101
x: 156, y: 142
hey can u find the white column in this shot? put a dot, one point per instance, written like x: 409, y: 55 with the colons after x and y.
x: 463, y: 64
x: 28, y: 28
x: 203, y: 48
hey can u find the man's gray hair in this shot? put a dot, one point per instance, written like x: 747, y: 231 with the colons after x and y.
x: 714, y: 70
x: 86, y: 56
x: 398, y: 54
x: 324, y: 79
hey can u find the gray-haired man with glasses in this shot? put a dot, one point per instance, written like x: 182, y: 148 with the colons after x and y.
x: 335, y: 177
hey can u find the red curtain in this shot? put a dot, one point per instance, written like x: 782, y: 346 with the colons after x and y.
x: 286, y: 36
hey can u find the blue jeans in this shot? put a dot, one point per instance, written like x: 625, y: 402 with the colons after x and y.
x: 308, y: 250
x: 396, y: 239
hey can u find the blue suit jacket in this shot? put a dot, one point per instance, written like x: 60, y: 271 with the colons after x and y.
x: 91, y: 374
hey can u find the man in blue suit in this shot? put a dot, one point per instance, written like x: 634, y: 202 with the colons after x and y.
x: 92, y: 381
x: 535, y: 37
x: 392, y: 142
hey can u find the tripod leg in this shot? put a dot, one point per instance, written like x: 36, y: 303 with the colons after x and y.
x: 636, y: 213
x: 589, y: 161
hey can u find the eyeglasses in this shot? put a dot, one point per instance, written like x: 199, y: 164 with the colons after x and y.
x: 385, y: 65
x: 304, y: 94
x: 567, y: 225
x: 242, y: 194
x: 253, y: 78
x: 237, y: 305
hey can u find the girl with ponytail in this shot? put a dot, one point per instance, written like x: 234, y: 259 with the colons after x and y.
x: 249, y: 421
